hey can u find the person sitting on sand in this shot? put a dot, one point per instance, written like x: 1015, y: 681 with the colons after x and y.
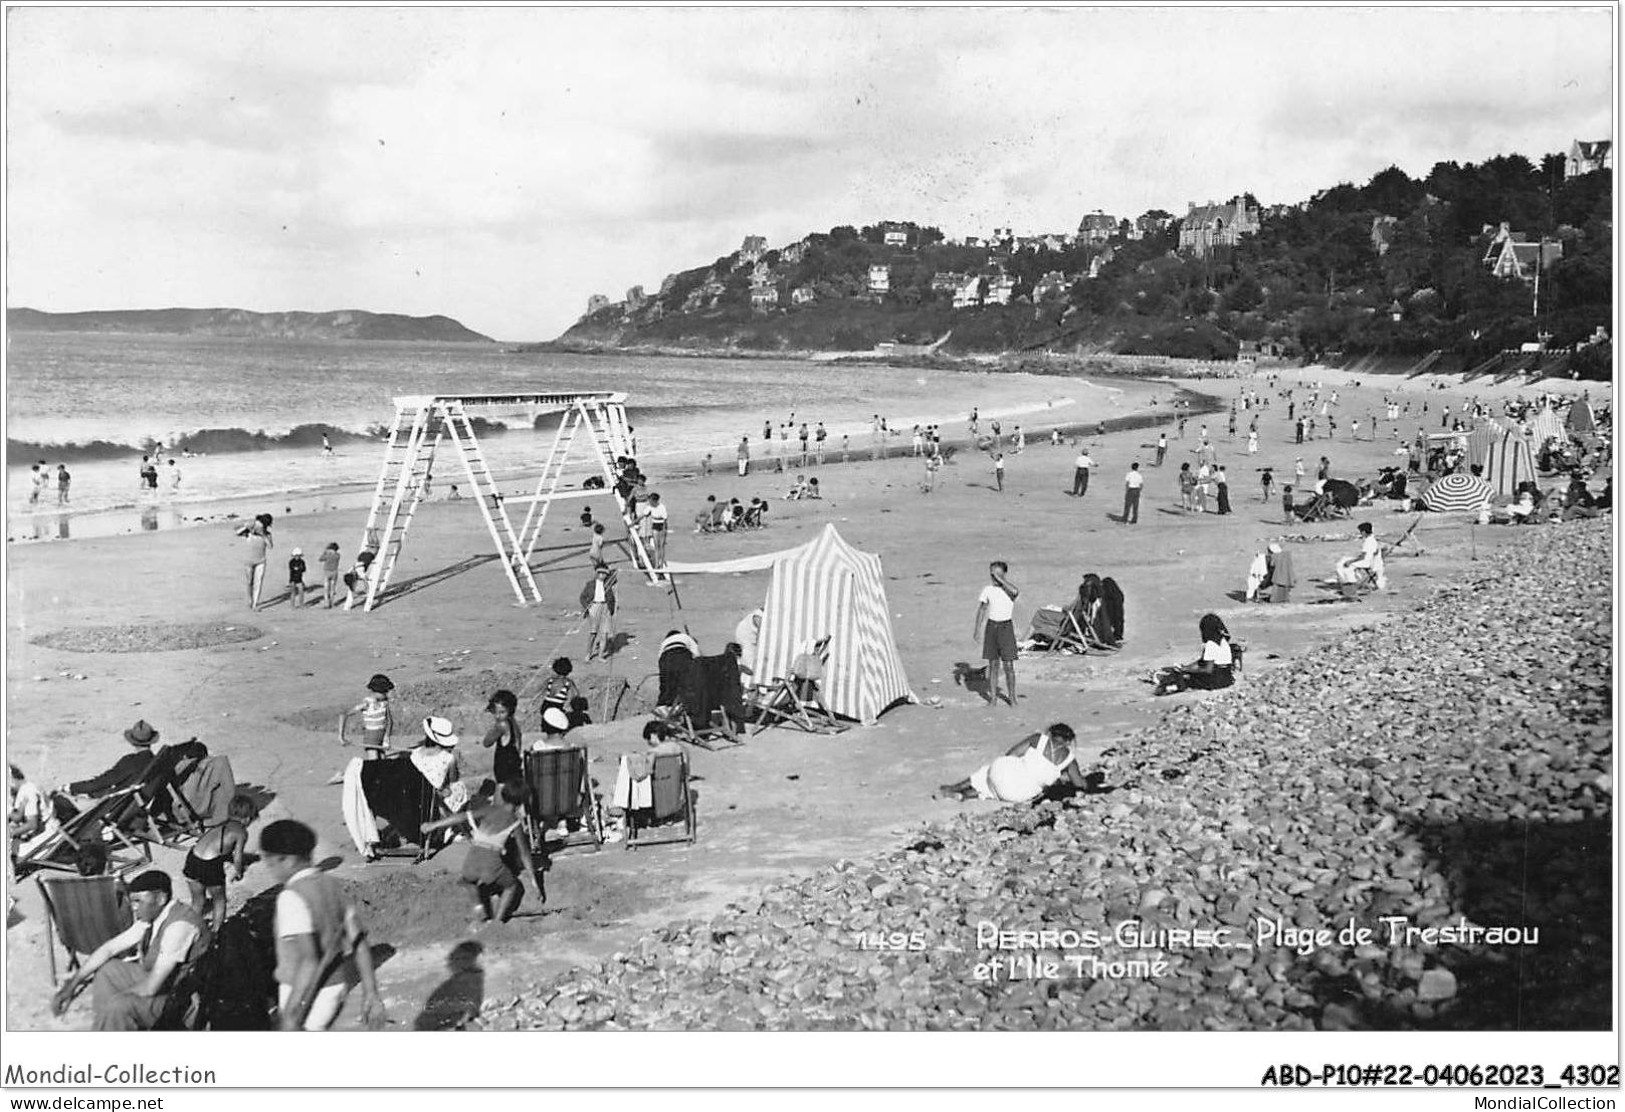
x: 1026, y: 771
x: 205, y: 865
x: 812, y: 490
x: 797, y: 492
x: 1208, y: 672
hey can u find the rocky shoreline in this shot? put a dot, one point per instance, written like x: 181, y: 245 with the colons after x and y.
x: 1450, y: 769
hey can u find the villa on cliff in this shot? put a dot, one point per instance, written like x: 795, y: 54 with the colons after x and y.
x: 1208, y: 226
x: 1586, y: 157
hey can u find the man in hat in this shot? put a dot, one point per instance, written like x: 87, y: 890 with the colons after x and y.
x: 128, y: 770
x: 130, y: 995
x: 598, y: 607
x: 320, y: 939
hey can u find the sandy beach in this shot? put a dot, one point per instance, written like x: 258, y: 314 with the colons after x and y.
x: 785, y: 803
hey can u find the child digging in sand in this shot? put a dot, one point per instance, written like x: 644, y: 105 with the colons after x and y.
x: 205, y: 866
x: 495, y: 830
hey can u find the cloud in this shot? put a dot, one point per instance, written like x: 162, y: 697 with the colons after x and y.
x: 501, y: 164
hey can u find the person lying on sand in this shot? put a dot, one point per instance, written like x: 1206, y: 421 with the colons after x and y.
x: 1026, y: 771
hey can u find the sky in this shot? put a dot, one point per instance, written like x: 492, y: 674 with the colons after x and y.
x: 500, y: 165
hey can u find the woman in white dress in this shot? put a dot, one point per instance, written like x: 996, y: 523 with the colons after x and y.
x: 1030, y: 768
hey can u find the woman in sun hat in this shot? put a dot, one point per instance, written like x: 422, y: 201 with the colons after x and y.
x: 436, y: 758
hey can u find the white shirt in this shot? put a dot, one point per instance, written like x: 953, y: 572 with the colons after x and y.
x: 1134, y: 480
x: 659, y: 516
x: 1000, y: 606
x: 293, y: 913
x: 1083, y: 461
x: 1218, y: 652
x: 175, y: 944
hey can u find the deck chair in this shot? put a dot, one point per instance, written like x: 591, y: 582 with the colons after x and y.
x: 671, y: 816
x: 82, y: 912
x: 710, y: 707
x: 558, y: 790
x: 96, y: 824
x: 400, y: 795
x: 164, y: 814
x: 795, y: 699
x: 1056, y: 628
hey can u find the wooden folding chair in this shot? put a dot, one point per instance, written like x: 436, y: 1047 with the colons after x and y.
x: 670, y: 818
x: 98, y: 824
x: 559, y: 790
x: 85, y: 911
x: 1058, y: 626
x: 167, y: 816
x: 400, y: 795
x: 798, y: 703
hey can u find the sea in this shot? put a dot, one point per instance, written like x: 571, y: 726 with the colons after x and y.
x: 244, y: 419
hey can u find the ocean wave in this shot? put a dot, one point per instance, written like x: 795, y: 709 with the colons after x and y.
x: 209, y: 442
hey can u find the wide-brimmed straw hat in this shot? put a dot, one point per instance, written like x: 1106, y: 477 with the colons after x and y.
x: 141, y: 735
x: 439, y: 731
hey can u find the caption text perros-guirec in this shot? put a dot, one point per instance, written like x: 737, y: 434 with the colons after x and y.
x: 1133, y: 934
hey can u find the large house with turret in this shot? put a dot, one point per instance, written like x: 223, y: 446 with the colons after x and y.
x: 1208, y: 226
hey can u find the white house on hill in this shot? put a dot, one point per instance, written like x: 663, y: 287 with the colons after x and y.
x: 1585, y: 157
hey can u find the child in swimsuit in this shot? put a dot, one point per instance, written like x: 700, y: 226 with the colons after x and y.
x: 556, y: 695
x: 504, y: 734
x: 485, y: 872
x: 205, y: 866
x: 377, y: 723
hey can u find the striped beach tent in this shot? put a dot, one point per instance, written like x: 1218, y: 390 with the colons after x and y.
x: 1457, y: 492
x: 1546, y: 425
x: 1504, y: 454
x: 827, y: 588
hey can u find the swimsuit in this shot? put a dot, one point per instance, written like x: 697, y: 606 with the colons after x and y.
x: 210, y: 873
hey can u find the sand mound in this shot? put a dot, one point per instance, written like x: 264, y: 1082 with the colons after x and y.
x: 148, y: 638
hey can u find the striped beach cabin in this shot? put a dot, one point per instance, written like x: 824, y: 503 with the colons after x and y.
x: 826, y: 588
x: 1504, y: 455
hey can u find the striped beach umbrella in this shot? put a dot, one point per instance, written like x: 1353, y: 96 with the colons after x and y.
x: 1457, y: 492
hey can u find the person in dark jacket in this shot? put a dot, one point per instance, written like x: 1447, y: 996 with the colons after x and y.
x: 128, y: 770
x: 598, y: 607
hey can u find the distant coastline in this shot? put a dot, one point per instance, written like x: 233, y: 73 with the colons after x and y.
x: 336, y: 325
